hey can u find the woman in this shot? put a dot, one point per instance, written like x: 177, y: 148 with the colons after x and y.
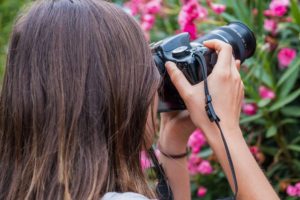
x: 77, y: 104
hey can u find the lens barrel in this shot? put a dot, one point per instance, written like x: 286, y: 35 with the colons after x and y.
x: 238, y: 35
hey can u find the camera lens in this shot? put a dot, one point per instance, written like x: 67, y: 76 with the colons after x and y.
x: 238, y: 35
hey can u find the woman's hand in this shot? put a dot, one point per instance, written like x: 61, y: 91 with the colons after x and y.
x: 226, y: 89
x: 225, y: 86
x: 175, y: 129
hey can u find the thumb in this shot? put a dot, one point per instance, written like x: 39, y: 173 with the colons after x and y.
x: 179, y: 80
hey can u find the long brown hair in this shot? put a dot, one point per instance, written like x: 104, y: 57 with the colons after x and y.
x: 78, y: 84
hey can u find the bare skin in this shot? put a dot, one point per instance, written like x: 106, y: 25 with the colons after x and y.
x: 227, y: 91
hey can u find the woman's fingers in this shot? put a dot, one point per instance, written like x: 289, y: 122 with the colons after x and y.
x: 178, y: 79
x: 224, y: 51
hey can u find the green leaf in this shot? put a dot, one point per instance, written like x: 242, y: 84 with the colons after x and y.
x: 263, y: 102
x: 290, y: 71
x: 296, y: 140
x: 292, y: 111
x: 288, y: 121
x: 271, y: 131
x: 269, y: 150
x: 296, y: 163
x: 287, y: 86
x: 295, y: 11
x: 294, y: 147
x: 273, y: 169
x: 228, y: 17
x: 285, y: 101
x: 250, y: 118
x: 205, y: 153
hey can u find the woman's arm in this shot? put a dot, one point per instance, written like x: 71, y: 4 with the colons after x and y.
x: 252, y: 183
x: 227, y: 93
x: 175, y: 130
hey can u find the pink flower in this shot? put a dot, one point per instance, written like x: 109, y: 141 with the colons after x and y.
x: 279, y: 10
x: 292, y: 191
x: 196, y: 141
x: 134, y: 6
x: 146, y: 26
x: 298, y: 188
x: 266, y: 93
x: 202, y: 12
x: 144, y: 160
x: 282, y: 2
x: 191, y: 29
x: 153, y: 7
x: 205, y: 167
x: 278, y: 7
x: 270, y: 25
x: 191, y: 11
x: 201, y: 191
x: 249, y: 108
x: 193, y: 162
x: 148, y: 21
x: 254, y: 150
x: 286, y: 56
x: 148, y: 18
x: 269, y: 13
x: 218, y: 8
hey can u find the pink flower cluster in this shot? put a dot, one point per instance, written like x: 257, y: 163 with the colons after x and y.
x: 293, y: 191
x: 196, y: 141
x: 146, y: 10
x: 286, y: 56
x: 191, y: 11
x: 270, y: 25
x: 264, y: 93
x: 198, y: 165
x: 277, y: 9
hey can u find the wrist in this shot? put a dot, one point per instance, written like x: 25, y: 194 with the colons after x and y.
x: 172, y: 156
x: 172, y: 145
x: 231, y: 133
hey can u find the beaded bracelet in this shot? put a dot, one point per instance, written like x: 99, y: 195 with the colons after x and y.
x: 173, y: 156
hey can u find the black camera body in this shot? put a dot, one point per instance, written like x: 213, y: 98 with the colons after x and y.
x: 181, y: 51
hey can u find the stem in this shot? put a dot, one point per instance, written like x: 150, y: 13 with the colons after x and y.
x: 281, y: 143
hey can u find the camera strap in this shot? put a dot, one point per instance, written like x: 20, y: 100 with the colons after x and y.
x: 163, y: 189
x: 214, y: 118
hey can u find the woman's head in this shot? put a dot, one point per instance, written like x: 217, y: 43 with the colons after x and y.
x: 78, y: 85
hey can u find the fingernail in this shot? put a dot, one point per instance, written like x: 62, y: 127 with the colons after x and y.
x: 169, y: 64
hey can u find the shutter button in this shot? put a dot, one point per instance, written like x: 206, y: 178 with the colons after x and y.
x: 180, y: 52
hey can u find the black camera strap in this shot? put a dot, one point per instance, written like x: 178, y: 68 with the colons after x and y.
x: 214, y: 118
x: 163, y: 189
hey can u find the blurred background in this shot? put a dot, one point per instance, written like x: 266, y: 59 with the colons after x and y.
x: 271, y: 110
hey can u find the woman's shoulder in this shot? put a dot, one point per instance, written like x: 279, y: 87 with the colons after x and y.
x: 124, y: 196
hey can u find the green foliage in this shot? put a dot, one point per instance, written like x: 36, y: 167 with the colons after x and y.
x: 8, y: 13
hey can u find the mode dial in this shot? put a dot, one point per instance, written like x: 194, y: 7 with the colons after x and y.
x: 180, y: 52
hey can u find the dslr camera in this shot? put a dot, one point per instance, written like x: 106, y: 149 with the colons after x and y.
x: 181, y: 51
